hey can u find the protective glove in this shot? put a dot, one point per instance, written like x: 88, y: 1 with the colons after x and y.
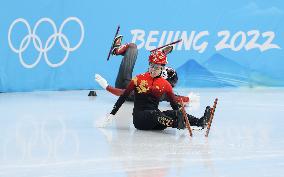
x: 101, y: 81
x: 194, y: 100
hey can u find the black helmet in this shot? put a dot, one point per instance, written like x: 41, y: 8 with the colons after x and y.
x: 170, y: 75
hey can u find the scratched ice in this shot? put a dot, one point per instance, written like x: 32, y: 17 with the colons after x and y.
x: 52, y: 134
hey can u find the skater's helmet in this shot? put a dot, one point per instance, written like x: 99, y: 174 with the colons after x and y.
x: 158, y: 57
x: 170, y: 75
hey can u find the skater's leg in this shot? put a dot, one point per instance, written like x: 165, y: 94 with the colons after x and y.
x: 194, y: 121
x: 157, y: 120
x: 200, y: 122
x: 173, y: 118
x: 147, y: 120
x: 121, y: 50
x: 126, y: 67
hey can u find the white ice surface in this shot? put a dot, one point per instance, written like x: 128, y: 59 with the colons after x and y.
x: 52, y: 134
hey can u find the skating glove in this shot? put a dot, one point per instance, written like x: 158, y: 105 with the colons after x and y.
x: 101, y: 81
x: 194, y: 101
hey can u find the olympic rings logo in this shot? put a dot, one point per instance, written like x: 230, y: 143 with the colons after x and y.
x: 44, y: 48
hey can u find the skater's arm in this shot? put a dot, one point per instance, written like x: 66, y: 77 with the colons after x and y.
x: 192, y: 99
x: 173, y: 99
x: 184, y: 99
x: 104, y: 84
x: 123, y: 97
x: 115, y: 91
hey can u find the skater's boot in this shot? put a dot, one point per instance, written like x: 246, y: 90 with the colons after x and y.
x: 116, y: 44
x: 203, y: 121
x: 168, y: 49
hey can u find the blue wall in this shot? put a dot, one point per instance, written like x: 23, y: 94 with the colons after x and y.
x: 251, y: 56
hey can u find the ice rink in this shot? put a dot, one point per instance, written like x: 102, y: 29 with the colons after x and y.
x: 52, y: 134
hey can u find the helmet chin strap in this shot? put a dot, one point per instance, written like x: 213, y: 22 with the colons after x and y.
x: 158, y: 75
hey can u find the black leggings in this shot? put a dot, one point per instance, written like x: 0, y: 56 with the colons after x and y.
x: 157, y: 120
x: 124, y: 75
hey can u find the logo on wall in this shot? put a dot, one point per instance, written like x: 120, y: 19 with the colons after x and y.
x: 43, y: 49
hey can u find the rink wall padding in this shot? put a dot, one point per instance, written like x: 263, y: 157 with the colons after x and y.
x: 60, y: 45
